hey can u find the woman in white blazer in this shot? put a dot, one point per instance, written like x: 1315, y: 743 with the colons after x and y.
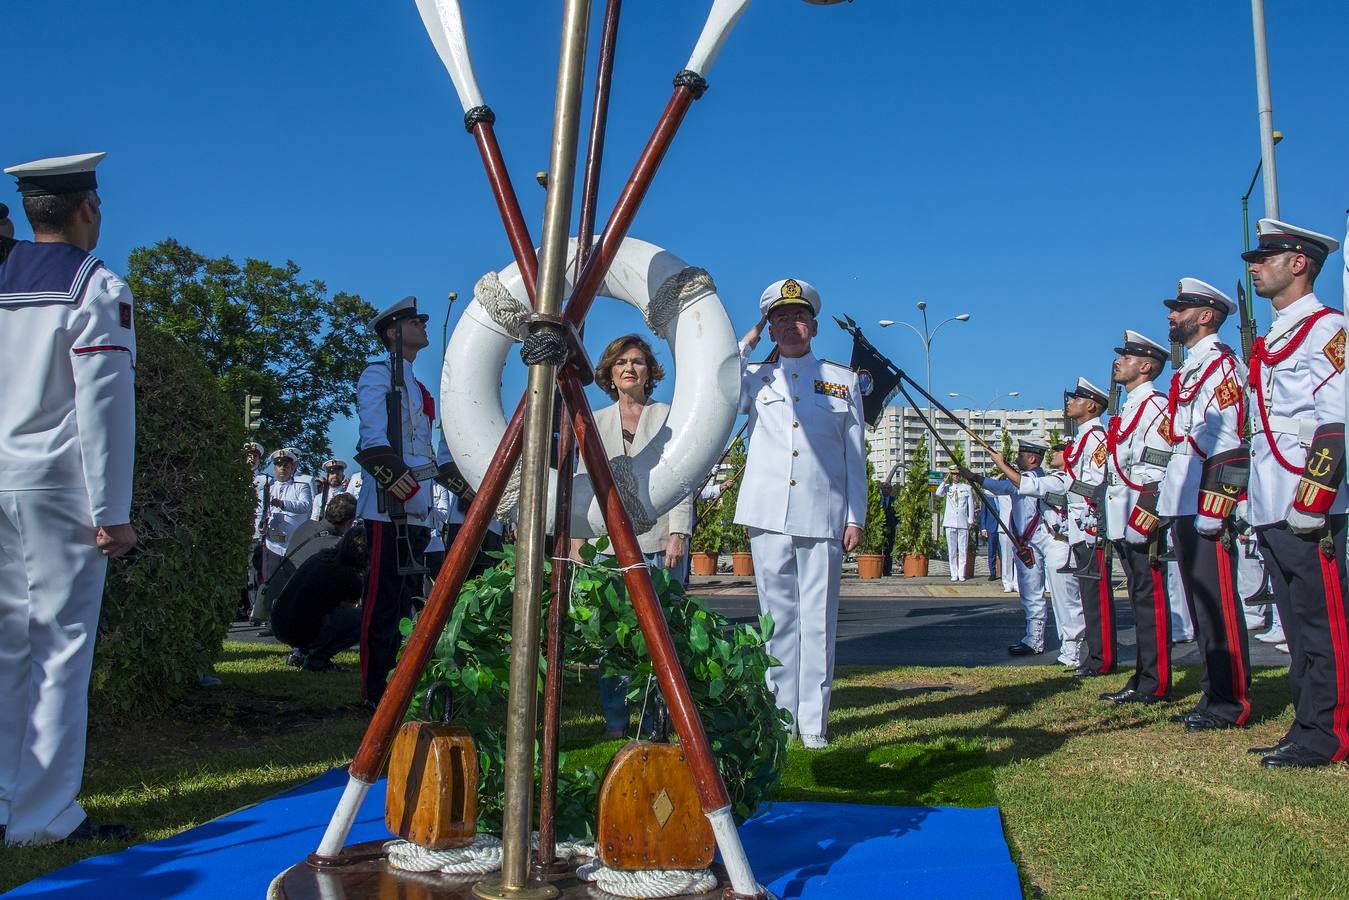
x: 628, y: 372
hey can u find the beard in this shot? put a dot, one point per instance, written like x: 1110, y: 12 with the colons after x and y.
x: 1183, y: 332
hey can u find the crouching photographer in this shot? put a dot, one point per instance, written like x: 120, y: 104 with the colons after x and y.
x: 317, y: 611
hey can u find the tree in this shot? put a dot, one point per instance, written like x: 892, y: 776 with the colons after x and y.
x: 1006, y: 446
x: 1055, y: 435
x: 735, y: 538
x: 873, y: 532
x: 261, y: 330
x: 913, y: 534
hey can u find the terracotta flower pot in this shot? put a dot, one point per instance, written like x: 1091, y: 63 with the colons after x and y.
x: 869, y: 565
x: 915, y: 566
x: 742, y: 563
x: 704, y: 563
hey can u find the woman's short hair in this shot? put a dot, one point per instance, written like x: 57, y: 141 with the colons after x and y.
x: 341, y: 509
x: 604, y: 370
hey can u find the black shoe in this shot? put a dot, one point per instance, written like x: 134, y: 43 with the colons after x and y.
x: 1131, y: 695
x: 323, y: 664
x: 994, y: 577
x: 1294, y: 756
x: 1185, y: 717
x: 267, y: 632
x: 1266, y: 751
x: 89, y: 830
x: 1208, y: 722
x: 1021, y: 648
x: 1088, y: 672
x: 297, y: 658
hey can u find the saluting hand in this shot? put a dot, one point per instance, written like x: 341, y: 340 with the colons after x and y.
x: 751, y: 338
x: 852, y: 536
x: 115, y: 540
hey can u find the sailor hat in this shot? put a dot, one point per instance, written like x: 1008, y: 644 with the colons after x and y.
x: 789, y: 292
x: 1192, y: 292
x: 403, y: 309
x: 1088, y: 391
x: 1035, y: 445
x: 57, y: 175
x: 1280, y: 237
x: 334, y: 464
x: 254, y: 447
x: 286, y: 453
x: 1136, y: 344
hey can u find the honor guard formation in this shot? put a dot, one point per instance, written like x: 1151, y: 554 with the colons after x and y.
x: 1232, y: 471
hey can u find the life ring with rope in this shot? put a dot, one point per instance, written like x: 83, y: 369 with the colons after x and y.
x: 681, y: 307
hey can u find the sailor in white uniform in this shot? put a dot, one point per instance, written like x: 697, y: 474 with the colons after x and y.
x: 1139, y: 445
x: 957, y: 519
x: 1205, y: 475
x: 1297, y: 498
x: 1027, y: 525
x: 67, y: 441
x: 1084, y: 462
x: 288, y: 503
x: 332, y: 483
x: 803, y: 498
x: 254, y: 458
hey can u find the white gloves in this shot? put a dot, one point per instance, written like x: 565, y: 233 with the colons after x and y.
x: 1208, y: 525
x: 1305, y: 523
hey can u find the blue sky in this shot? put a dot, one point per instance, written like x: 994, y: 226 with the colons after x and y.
x: 1052, y: 168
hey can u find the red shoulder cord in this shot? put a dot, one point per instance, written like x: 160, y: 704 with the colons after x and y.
x: 1080, y: 445
x: 428, y: 402
x: 1114, y: 436
x: 1261, y: 356
x: 1176, y: 396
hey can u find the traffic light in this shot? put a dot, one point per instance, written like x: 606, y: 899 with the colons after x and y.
x: 252, y: 412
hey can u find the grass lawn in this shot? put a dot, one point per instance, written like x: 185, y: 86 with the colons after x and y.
x: 1097, y: 801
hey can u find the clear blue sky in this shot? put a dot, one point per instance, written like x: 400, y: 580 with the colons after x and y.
x: 1051, y: 168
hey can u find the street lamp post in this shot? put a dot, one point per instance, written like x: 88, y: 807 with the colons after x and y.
x: 926, y: 337
x: 1246, y: 210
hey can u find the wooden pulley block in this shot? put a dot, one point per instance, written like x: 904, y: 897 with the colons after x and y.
x: 649, y: 815
x: 432, y: 797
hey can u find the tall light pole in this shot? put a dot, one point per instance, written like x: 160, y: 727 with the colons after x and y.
x: 1265, y: 108
x: 1246, y: 209
x: 926, y: 337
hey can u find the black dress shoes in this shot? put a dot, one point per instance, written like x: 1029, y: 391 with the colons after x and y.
x: 1208, y: 722
x: 1086, y: 672
x: 89, y: 830
x: 1021, y: 648
x: 1266, y: 751
x: 1130, y: 695
x: 1294, y: 756
x: 1185, y: 717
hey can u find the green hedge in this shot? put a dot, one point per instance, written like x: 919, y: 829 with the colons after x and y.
x: 167, y: 606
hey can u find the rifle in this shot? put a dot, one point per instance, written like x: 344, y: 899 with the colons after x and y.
x: 1177, y: 355
x: 1247, y: 312
x: 1069, y: 423
x: 393, y: 413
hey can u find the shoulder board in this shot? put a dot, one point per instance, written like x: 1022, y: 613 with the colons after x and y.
x: 1223, y: 348
x: 45, y: 273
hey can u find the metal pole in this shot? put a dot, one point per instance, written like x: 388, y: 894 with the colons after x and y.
x: 531, y: 543
x: 1266, y: 108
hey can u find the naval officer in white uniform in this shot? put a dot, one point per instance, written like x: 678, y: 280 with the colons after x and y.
x: 957, y: 519
x: 67, y: 440
x: 803, y: 498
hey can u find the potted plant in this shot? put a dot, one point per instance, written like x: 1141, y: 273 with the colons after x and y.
x: 913, y: 534
x: 736, y: 537
x: 706, y: 542
x: 871, y: 550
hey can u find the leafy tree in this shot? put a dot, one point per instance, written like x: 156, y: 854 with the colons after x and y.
x: 873, y: 532
x: 261, y: 330
x: 913, y: 533
x: 1055, y: 435
x: 735, y: 538
x: 1005, y: 448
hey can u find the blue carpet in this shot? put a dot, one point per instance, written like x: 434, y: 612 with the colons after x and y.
x: 807, y: 850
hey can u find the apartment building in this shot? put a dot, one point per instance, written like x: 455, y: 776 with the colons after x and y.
x: 895, y: 436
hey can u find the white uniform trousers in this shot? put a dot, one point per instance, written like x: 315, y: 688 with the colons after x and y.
x: 1006, y: 559
x: 1182, y: 623
x: 1066, y: 597
x: 51, y: 589
x: 957, y: 551
x: 1031, y: 583
x: 797, y: 580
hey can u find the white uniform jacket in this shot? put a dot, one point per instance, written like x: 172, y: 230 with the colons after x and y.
x: 1205, y: 405
x: 1026, y: 521
x: 959, y: 509
x: 806, y: 471
x: 1051, y: 488
x: 1084, y: 460
x: 296, y: 499
x: 1141, y: 424
x: 323, y: 492
x: 68, y: 419
x: 419, y: 449
x: 609, y: 424
x: 1297, y: 386
x: 261, y: 485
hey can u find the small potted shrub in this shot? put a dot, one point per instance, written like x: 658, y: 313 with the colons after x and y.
x: 735, y: 538
x: 871, y: 550
x: 706, y: 542
x: 913, y: 534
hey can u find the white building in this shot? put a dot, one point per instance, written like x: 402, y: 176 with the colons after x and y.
x: 896, y: 435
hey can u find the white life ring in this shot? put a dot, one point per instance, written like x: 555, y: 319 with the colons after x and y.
x: 681, y: 306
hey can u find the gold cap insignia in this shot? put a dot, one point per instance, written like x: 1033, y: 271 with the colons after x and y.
x: 1180, y: 288
x: 791, y: 290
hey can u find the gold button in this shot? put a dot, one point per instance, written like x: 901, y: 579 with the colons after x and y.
x: 792, y: 482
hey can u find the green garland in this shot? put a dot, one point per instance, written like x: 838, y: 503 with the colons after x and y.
x: 724, y: 664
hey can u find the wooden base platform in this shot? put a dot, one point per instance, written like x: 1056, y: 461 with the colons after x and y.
x: 369, y: 877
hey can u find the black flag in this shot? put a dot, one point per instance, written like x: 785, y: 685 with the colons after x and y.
x: 877, y: 377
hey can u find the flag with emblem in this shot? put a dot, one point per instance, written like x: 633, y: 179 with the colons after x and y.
x: 877, y: 377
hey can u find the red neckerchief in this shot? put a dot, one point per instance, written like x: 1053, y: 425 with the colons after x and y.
x: 1114, y: 436
x: 1261, y: 356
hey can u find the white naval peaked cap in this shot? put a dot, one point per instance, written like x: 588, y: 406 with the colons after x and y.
x: 1136, y: 344
x: 57, y: 174
x: 1279, y: 237
x: 1088, y: 391
x: 285, y: 452
x: 255, y: 447
x: 403, y: 309
x: 1036, y: 443
x: 1192, y: 292
x: 335, y: 464
x: 789, y: 292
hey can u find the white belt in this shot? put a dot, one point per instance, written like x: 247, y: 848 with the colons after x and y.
x: 1184, y: 448
x: 1302, y: 429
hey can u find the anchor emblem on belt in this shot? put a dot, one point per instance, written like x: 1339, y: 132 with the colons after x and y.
x: 1319, y: 465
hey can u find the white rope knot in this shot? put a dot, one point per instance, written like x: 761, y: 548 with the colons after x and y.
x: 510, y: 494
x: 647, y: 882
x: 501, y: 305
x: 674, y: 294
x: 480, y: 857
x: 625, y: 482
